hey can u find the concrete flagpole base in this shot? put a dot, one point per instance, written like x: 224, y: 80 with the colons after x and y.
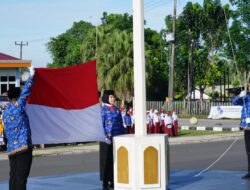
x: 141, y: 162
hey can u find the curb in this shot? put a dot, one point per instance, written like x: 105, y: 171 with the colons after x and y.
x: 204, y: 128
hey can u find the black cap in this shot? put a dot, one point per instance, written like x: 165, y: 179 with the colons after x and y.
x: 106, y: 94
x: 14, y: 93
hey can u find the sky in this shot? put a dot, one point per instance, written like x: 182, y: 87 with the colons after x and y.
x: 36, y: 21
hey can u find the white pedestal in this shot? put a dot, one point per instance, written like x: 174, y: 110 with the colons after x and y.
x: 141, y: 162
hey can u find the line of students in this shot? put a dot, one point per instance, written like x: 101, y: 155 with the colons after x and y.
x: 162, y: 123
x: 156, y: 123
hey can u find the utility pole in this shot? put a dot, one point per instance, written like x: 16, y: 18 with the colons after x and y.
x: 19, y: 70
x: 171, y: 65
x: 21, y: 44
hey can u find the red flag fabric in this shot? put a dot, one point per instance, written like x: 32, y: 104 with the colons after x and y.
x: 72, y: 87
x: 64, y: 105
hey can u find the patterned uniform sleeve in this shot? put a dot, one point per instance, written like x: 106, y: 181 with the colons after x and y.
x: 103, y: 120
x: 120, y: 118
x: 109, y: 125
x: 25, y: 93
x: 121, y: 123
x: 237, y: 101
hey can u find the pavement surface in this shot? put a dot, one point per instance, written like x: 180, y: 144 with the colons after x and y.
x: 62, y: 150
x: 179, y: 180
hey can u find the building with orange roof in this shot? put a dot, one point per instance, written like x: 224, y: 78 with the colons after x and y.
x: 11, y: 71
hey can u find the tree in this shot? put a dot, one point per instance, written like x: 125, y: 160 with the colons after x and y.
x: 240, y: 33
x: 200, y: 32
x: 65, y: 48
x: 114, y: 55
x: 156, y: 65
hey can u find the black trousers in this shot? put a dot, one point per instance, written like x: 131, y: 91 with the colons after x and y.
x: 20, y: 165
x: 247, y: 144
x: 106, y: 163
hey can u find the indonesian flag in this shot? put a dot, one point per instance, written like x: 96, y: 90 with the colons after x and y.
x: 64, y: 107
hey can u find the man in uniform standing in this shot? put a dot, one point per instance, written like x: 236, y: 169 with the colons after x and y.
x: 243, y: 99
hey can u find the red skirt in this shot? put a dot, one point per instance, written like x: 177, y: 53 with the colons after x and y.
x: 156, y: 127
x: 175, y: 128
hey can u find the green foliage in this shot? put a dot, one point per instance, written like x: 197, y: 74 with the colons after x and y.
x: 112, y: 47
x: 65, y: 48
x: 200, y: 34
x: 240, y: 33
x: 156, y: 66
x: 202, y: 46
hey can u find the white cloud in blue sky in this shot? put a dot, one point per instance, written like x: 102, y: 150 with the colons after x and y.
x: 36, y: 21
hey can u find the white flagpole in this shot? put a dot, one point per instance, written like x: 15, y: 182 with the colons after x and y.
x: 139, y: 68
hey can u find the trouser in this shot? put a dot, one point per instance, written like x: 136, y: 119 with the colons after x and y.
x: 106, y: 163
x: 20, y: 165
x: 247, y: 144
x: 128, y: 129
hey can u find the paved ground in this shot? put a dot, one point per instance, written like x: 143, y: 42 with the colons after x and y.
x: 95, y: 147
x: 179, y: 180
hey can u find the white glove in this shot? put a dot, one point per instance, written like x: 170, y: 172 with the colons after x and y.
x: 248, y: 120
x: 107, y: 141
x: 32, y: 71
x: 242, y: 93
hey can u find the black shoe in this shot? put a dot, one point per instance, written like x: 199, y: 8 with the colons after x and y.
x: 247, y: 176
x: 111, y: 185
x: 105, y: 186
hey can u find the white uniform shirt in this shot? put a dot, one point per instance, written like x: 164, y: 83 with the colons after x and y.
x: 174, y: 116
x: 156, y: 119
x: 148, y: 118
x: 133, y: 120
x: 168, y: 121
x: 162, y: 116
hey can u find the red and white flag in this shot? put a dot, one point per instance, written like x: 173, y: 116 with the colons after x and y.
x: 64, y: 106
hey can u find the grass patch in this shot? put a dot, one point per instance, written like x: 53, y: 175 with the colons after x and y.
x: 186, y: 116
x: 200, y: 133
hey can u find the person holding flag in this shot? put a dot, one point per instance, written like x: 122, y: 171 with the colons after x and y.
x: 18, y: 134
x: 243, y: 99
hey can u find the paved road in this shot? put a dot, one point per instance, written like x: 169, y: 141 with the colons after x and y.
x: 225, y: 123
x: 183, y: 157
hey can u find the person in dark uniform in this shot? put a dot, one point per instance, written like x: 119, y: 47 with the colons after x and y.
x: 243, y: 99
x: 127, y: 121
x: 113, y: 126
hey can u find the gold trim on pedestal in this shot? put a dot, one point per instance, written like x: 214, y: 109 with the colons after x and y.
x: 122, y: 165
x: 151, y: 166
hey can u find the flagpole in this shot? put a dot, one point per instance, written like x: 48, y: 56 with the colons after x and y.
x: 141, y: 161
x: 139, y: 68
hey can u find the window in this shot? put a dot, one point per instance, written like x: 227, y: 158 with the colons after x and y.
x: 3, y: 78
x: 3, y: 88
x: 12, y: 78
x: 11, y: 86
